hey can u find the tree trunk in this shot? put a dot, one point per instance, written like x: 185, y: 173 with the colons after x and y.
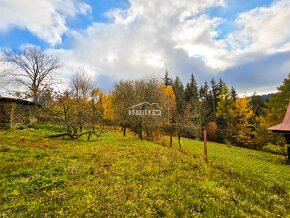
x: 179, y: 143
x: 140, y: 132
x: 124, y: 131
x: 171, y: 139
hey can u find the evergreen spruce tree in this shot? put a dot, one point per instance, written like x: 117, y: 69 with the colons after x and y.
x: 220, y: 85
x: 277, y: 105
x: 191, y: 90
x: 225, y: 108
x: 167, y: 80
x: 234, y: 93
x: 179, y: 94
x: 215, y: 96
x: 206, y: 100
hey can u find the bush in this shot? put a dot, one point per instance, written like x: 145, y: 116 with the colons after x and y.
x: 22, y: 127
x: 275, y: 149
x: 46, y: 127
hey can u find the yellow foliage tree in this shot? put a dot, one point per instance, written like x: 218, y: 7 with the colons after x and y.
x: 170, y: 106
x: 99, y: 98
x: 109, y: 112
x: 244, y: 122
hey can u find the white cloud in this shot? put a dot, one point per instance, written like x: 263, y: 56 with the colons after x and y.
x: 151, y: 36
x: 44, y: 18
x: 262, y: 29
x: 144, y: 37
x: 197, y: 38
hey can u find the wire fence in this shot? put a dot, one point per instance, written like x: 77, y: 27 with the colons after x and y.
x: 257, y: 163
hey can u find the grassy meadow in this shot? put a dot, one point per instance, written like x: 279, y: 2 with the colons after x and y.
x: 113, y: 176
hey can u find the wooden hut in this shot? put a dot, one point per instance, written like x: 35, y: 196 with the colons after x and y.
x: 16, y: 112
x: 284, y: 128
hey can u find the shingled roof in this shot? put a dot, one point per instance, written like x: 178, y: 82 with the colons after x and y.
x: 285, y: 125
x: 21, y: 101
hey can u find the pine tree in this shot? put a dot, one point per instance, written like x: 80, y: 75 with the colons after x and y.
x: 234, y: 93
x: 179, y: 93
x: 191, y: 90
x: 215, y: 94
x: 258, y: 104
x: 220, y: 85
x: 277, y: 105
x: 204, y: 92
x: 206, y: 101
x: 167, y: 80
x: 225, y: 108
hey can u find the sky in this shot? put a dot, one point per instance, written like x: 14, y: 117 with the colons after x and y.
x: 246, y: 43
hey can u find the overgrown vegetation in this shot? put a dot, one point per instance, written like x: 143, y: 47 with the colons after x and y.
x: 123, y: 176
x: 187, y: 108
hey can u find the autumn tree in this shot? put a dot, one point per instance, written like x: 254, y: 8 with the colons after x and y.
x: 138, y: 94
x: 147, y: 90
x: 244, y: 123
x: 169, y: 105
x: 31, y: 68
x: 108, y: 109
x: 124, y: 98
x: 82, y: 92
x: 78, y: 108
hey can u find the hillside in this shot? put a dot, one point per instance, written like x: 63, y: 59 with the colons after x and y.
x: 117, y: 176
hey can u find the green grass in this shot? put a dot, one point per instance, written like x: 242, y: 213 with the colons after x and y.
x: 117, y: 176
x: 269, y: 167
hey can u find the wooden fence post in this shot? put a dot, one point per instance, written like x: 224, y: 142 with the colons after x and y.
x: 205, y: 145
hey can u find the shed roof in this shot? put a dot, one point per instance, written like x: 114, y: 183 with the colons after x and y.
x: 285, y: 125
x: 21, y: 101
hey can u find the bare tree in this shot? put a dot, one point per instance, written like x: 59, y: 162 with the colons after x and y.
x: 32, y: 68
x: 3, y: 80
x: 81, y: 84
x: 82, y: 92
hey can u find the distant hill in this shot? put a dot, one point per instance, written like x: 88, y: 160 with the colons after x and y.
x: 266, y: 97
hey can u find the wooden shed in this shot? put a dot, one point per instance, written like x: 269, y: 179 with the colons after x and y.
x: 16, y: 112
x: 284, y: 128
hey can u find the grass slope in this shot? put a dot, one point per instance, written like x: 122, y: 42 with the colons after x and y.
x: 117, y: 176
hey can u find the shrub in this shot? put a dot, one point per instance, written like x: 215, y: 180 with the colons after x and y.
x: 275, y: 149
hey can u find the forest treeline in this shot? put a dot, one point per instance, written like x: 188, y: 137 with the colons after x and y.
x: 187, y: 108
